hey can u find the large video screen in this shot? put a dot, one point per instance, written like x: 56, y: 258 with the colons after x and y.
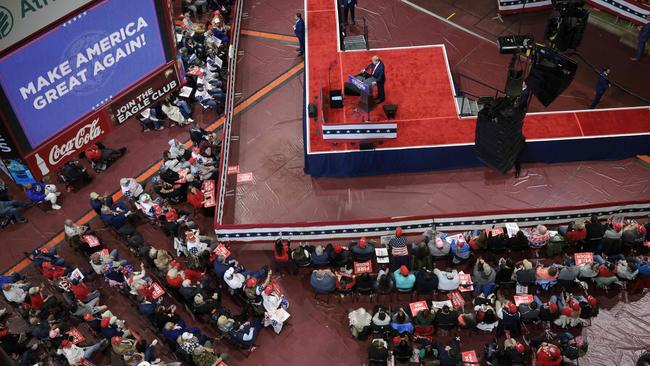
x: 81, y: 64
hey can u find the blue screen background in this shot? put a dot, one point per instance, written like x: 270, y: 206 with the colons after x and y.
x: 63, y: 43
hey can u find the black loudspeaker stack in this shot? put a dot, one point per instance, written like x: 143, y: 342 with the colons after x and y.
x: 390, y: 110
x: 499, y: 138
x: 551, y: 75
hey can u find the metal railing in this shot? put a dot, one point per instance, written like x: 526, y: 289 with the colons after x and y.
x: 461, y: 92
x: 228, y: 113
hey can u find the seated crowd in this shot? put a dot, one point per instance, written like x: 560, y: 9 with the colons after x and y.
x: 428, y: 267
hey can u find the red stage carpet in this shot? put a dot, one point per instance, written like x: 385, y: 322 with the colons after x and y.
x: 419, y: 82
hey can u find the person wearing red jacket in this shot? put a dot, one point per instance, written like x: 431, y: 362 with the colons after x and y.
x: 82, y: 292
x: 52, y: 272
x: 549, y: 354
x: 195, y: 197
x: 36, y: 299
x: 101, y: 155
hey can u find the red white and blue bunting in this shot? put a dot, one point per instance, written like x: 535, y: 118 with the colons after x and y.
x: 387, y: 226
x: 520, y: 6
x: 360, y: 131
x: 630, y: 10
x: 627, y: 9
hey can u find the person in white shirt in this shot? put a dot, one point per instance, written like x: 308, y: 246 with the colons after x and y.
x: 206, y: 99
x: 233, y: 279
x: 131, y: 189
x: 15, y: 292
x: 74, y: 354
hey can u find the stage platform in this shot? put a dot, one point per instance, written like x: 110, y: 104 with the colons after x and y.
x: 430, y: 133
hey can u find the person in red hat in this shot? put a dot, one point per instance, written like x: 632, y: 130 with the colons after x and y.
x: 514, y: 352
x: 404, y: 279
x: 75, y: 354
x: 549, y: 354
x: 341, y: 257
x: 510, y: 319
x: 399, y: 250
x: 281, y: 257
x: 362, y: 251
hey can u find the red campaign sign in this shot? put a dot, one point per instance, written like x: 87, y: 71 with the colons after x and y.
x: 277, y: 290
x: 222, y: 364
x: 68, y: 144
x: 208, y: 193
x: 523, y: 299
x: 91, y: 240
x: 76, y: 335
x: 496, y: 231
x: 465, y: 282
x: 469, y: 358
x: 582, y: 258
x: 418, y: 306
x: 456, y: 299
x: 244, y: 177
x: 233, y: 169
x: 363, y: 267
x: 222, y: 250
x: 157, y: 291
x: 104, y: 252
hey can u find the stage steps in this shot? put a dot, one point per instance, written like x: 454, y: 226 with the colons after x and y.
x: 467, y: 107
x: 357, y: 42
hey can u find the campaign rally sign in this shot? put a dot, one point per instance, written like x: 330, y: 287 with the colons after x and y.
x: 582, y: 258
x: 418, y: 306
x: 363, y: 267
x: 81, y: 65
x: 523, y: 299
x: 469, y: 358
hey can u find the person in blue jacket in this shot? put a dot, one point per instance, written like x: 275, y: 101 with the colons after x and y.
x: 299, y: 30
x: 601, y: 86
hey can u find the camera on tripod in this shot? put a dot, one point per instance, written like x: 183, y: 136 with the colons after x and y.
x: 567, y: 24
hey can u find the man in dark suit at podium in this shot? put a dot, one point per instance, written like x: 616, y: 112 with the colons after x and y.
x: 376, y: 70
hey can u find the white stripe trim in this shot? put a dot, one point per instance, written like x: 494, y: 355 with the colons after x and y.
x: 358, y: 136
x: 352, y: 230
x: 358, y: 126
x: 442, y: 19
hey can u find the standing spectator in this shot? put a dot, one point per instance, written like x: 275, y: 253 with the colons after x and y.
x: 601, y: 86
x: 398, y: 250
x: 299, y: 30
x: 348, y: 7
x: 644, y: 36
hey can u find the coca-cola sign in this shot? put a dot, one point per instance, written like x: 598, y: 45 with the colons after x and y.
x: 84, y: 135
x: 68, y: 144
